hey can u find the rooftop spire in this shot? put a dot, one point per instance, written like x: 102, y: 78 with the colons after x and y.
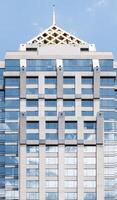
x: 54, y: 16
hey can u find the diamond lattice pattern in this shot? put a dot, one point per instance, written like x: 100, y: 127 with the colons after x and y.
x: 55, y: 35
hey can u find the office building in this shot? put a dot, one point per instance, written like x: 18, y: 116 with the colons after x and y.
x: 58, y: 120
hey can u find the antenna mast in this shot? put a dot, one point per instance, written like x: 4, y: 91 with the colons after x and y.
x: 54, y: 16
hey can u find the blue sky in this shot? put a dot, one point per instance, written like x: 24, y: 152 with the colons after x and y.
x: 94, y: 21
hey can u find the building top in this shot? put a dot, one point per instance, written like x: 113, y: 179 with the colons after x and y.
x: 55, y: 35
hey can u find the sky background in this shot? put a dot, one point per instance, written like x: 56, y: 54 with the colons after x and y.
x: 94, y: 21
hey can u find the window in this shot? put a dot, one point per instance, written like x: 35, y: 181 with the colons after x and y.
x: 107, y: 81
x: 32, y: 172
x: 70, y: 160
x: 87, y: 91
x: 52, y: 149
x: 107, y: 103
x: 51, y: 196
x: 32, y: 161
x: 89, y: 161
x: 11, y: 115
x: 12, y: 82
x: 70, y: 136
x: 89, y: 184
x: 71, y: 125
x: 89, y: 196
x: 50, y: 113
x: 70, y: 149
x: 32, y: 149
x: 41, y: 65
x: 107, y: 92
x: 32, y: 91
x: 32, y: 113
x: 89, y: 125
x: 51, y: 161
x: 51, y: 136
x: 77, y: 65
x: 70, y: 184
x: 31, y: 103
x: 51, y: 80
x: 106, y: 64
x: 50, y: 91
x: 89, y: 172
x: 32, y: 196
x: 70, y: 196
x: 68, y: 91
x: 87, y: 80
x: 32, y: 125
x: 12, y: 104
x: 87, y: 113
x: 51, y: 172
x: 70, y: 172
x: 32, y: 184
x: 11, y: 92
x: 87, y: 103
x: 51, y: 125
x: 69, y: 103
x: 69, y: 80
x: 12, y: 65
x: 69, y: 113
x: 32, y: 80
x: 90, y: 149
x: 50, y: 103
x: 89, y: 136
x: 51, y: 184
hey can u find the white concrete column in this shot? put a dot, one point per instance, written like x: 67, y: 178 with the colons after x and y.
x: 61, y: 172
x: 22, y: 171
x: 100, y: 172
x: 80, y: 172
x: 42, y: 166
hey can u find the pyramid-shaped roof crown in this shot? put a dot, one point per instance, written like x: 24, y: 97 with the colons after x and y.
x: 55, y: 35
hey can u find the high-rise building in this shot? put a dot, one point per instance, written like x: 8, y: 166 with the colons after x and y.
x: 58, y: 120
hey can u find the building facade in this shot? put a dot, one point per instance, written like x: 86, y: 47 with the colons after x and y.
x: 58, y: 120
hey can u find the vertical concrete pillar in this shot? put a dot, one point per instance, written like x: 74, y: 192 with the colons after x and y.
x: 61, y: 172
x: 61, y: 127
x: 100, y: 172
x: 22, y: 171
x: 100, y: 129
x: 96, y: 78
x: 59, y: 79
x: 80, y: 175
x: 42, y: 166
x: 22, y: 78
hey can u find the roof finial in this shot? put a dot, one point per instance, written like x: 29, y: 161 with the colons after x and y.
x: 54, y: 16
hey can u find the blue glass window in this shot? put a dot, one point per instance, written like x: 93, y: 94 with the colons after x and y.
x: 87, y: 91
x: 11, y: 160
x: 87, y: 103
x: 50, y: 113
x: 89, y: 125
x: 109, y: 104
x: 11, y: 92
x: 107, y: 81
x: 32, y: 172
x: 89, y: 136
x: 69, y: 113
x: 41, y: 65
x: 32, y: 125
x: 32, y: 113
x: 32, y: 91
x: 109, y: 115
x: 87, y: 80
x: 11, y: 115
x: 32, y: 149
x: 32, y: 136
x: 51, y: 125
x: 87, y: 113
x: 106, y: 64
x: 51, y: 196
x: 69, y: 103
x: 50, y: 80
x: 12, y: 104
x: 69, y: 80
x: 50, y: 90
x: 32, y: 80
x: 11, y: 138
x: 12, y: 65
x: 71, y: 125
x: 70, y: 136
x: 12, y: 82
x: 51, y: 136
x: 78, y: 65
x: 11, y: 149
x: 11, y: 126
x: 107, y: 92
x: 69, y: 91
x: 11, y: 171
x: 50, y: 103
x: 31, y: 102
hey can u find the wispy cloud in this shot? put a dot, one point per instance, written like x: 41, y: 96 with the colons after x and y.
x: 96, y: 5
